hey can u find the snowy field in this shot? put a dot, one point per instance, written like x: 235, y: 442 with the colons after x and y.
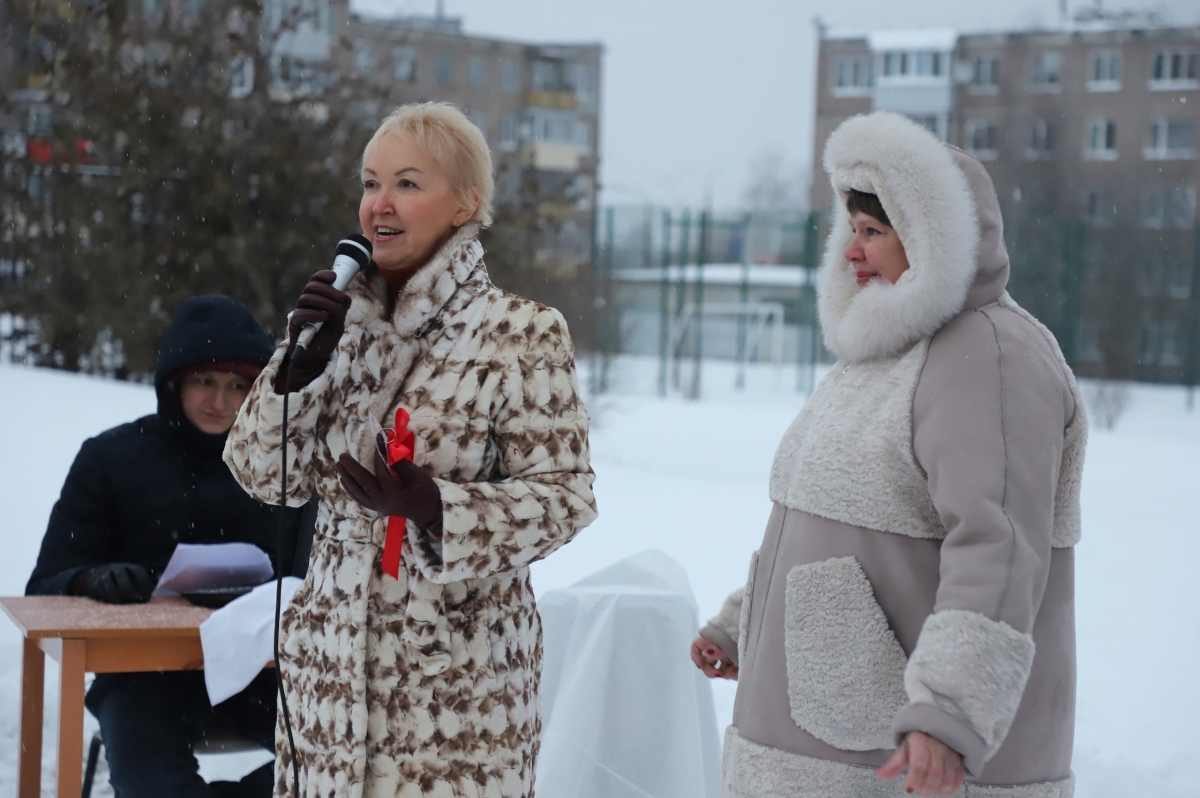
x: 689, y: 479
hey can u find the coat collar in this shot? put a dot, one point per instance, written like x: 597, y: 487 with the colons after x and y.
x: 426, y: 294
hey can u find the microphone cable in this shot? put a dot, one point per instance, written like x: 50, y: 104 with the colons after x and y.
x: 352, y: 254
x: 279, y: 540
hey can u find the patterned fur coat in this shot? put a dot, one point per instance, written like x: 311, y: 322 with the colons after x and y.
x: 426, y: 685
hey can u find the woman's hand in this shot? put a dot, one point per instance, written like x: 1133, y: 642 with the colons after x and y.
x: 320, y: 302
x: 404, y: 490
x: 711, y: 660
x: 934, y: 768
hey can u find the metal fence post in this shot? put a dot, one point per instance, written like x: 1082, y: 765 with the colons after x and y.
x: 1190, y: 376
x: 807, y: 309
x: 698, y: 350
x: 664, y: 311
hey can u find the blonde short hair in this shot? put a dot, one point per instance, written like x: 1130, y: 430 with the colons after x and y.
x: 445, y: 133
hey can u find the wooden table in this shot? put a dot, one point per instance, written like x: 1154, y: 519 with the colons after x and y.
x: 85, y: 636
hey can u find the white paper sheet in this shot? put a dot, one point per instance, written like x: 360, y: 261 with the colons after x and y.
x: 200, y: 566
x: 238, y: 639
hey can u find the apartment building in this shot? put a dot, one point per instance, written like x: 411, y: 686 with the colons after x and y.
x: 1090, y: 135
x: 538, y: 105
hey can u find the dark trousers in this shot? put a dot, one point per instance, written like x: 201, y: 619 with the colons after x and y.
x: 150, y: 721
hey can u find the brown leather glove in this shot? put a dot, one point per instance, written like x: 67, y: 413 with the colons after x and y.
x: 405, y: 490
x: 320, y: 302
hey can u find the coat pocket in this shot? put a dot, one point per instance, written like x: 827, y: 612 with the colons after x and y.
x: 845, y: 668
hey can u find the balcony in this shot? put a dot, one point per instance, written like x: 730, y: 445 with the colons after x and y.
x: 551, y: 156
x: 543, y: 98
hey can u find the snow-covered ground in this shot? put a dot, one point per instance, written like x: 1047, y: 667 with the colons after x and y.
x: 689, y: 478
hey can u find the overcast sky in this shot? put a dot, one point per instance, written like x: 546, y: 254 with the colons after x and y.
x: 694, y: 90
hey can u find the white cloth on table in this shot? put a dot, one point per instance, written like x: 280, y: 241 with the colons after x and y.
x: 625, y: 713
x: 238, y: 639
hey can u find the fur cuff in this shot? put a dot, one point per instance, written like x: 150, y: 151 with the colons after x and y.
x: 973, y: 669
x: 728, y: 620
x: 726, y: 643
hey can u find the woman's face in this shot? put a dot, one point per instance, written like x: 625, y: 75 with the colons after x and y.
x: 211, y: 399
x: 408, y: 205
x: 876, y: 250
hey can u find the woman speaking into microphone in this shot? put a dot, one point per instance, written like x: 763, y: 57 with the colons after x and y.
x: 411, y: 654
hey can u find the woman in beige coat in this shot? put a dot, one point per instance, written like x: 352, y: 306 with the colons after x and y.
x: 426, y: 683
x: 909, y: 618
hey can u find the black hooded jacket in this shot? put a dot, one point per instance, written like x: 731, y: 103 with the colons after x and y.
x: 136, y: 490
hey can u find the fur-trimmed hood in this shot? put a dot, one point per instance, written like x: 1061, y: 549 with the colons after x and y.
x: 944, y: 208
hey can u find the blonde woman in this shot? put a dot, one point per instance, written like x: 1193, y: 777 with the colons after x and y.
x: 424, y: 683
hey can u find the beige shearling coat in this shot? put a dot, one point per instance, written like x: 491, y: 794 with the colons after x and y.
x: 426, y: 685
x: 917, y: 572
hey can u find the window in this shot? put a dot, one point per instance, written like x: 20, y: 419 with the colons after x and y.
x: 895, y: 64
x: 40, y: 120
x: 980, y: 139
x: 1042, y: 140
x: 241, y: 77
x: 1100, y: 142
x: 1043, y: 72
x: 1171, y: 139
x: 444, y: 70
x: 1154, y: 208
x: 475, y: 72
x: 928, y: 63
x: 1180, y: 207
x: 1150, y: 272
x: 1175, y: 69
x: 1099, y: 209
x: 930, y: 123
x: 852, y: 77
x: 583, y: 136
x: 1179, y: 277
x: 1104, y: 70
x: 985, y: 74
x: 1161, y: 343
x: 1151, y: 343
x: 582, y: 190
x: 552, y: 126
x: 479, y: 120
x: 1169, y: 207
x: 545, y: 76
x: 1169, y: 346
x: 916, y: 64
x: 581, y: 81
x: 509, y: 133
x: 364, y: 57
x: 1087, y: 345
x: 509, y: 76
x: 404, y: 64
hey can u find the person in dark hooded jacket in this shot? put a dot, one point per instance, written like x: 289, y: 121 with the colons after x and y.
x: 132, y: 494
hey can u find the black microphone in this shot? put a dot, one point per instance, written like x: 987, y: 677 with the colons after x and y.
x: 353, y: 253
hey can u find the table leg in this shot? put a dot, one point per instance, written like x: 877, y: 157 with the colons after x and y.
x: 70, y: 719
x: 33, y: 671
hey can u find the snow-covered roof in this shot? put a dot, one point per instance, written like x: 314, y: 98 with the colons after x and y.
x: 773, y: 275
x: 923, y: 39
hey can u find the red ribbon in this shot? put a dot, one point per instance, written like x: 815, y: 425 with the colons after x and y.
x: 400, y: 442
